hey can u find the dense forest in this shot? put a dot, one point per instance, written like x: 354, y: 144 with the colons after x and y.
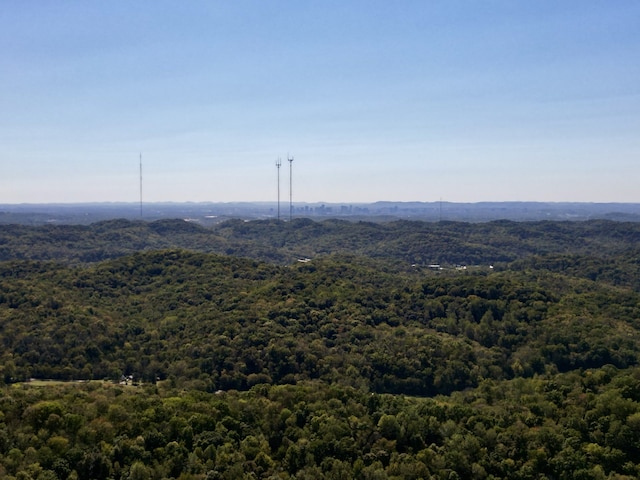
x: 327, y: 349
x: 283, y: 242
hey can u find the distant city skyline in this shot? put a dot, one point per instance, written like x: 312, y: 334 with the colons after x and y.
x: 209, y: 213
x: 417, y: 101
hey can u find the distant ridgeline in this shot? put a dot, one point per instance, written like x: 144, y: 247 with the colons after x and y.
x: 597, y: 249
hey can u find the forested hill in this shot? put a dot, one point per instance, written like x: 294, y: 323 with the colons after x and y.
x: 359, y: 362
x: 216, y: 322
x: 324, y: 369
x: 283, y: 242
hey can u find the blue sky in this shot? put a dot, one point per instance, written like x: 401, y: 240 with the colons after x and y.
x: 464, y: 101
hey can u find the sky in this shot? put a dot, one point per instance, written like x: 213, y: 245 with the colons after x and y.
x: 462, y: 101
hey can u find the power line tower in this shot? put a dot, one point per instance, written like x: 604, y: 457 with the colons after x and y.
x: 290, y: 160
x: 278, y: 165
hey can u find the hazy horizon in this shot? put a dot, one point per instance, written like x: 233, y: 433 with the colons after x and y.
x: 420, y: 101
x: 285, y: 204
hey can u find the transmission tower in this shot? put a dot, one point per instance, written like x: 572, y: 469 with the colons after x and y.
x: 140, y: 185
x: 290, y: 159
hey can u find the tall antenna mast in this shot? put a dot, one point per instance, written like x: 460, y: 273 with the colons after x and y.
x: 290, y: 159
x: 278, y: 164
x: 140, y: 184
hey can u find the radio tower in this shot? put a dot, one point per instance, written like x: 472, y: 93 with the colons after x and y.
x: 290, y: 159
x: 278, y: 164
x: 140, y: 185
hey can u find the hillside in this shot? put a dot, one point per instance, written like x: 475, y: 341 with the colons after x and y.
x: 227, y: 323
x: 597, y: 249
